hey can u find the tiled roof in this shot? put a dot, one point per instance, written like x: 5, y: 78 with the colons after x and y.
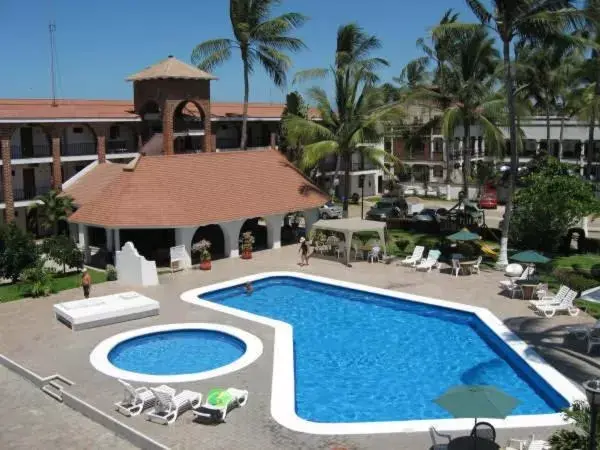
x: 192, y: 190
x: 171, y: 67
x: 40, y: 109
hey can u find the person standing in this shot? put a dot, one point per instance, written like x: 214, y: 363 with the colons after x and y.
x: 86, y: 283
x: 303, y: 252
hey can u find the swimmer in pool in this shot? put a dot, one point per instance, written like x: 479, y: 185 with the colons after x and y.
x: 249, y: 289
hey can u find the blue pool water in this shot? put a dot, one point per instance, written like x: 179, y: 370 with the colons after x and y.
x: 363, y: 357
x: 176, y: 352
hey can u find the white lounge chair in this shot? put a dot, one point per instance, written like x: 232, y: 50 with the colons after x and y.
x: 591, y: 334
x: 430, y: 262
x: 219, y: 402
x: 552, y: 299
x: 550, y: 309
x: 506, y: 284
x: 528, y: 444
x: 169, y: 406
x: 416, y: 256
x: 135, y: 400
x: 435, y: 435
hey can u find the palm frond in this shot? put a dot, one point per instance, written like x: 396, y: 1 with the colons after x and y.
x: 310, y: 74
x: 210, y: 54
x: 275, y: 63
x: 313, y: 154
x: 278, y: 26
x: 480, y: 11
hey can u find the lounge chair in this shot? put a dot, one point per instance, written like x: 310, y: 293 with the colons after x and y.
x: 430, y: 262
x: 169, y: 406
x: 552, y: 299
x: 591, y: 334
x: 416, y: 256
x: 527, y: 272
x: 435, y: 435
x: 219, y: 402
x: 135, y: 400
x: 528, y: 444
x: 550, y: 309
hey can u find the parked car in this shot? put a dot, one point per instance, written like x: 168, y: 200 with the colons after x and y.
x: 488, y: 200
x: 387, y: 208
x: 330, y: 211
x: 430, y: 215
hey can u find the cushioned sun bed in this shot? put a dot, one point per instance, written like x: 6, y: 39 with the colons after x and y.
x: 98, y: 311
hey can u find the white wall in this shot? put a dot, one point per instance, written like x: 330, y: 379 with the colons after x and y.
x: 134, y: 269
x: 39, y: 137
x: 78, y: 138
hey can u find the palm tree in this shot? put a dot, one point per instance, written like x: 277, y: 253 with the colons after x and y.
x: 53, y: 208
x: 260, y: 39
x: 356, y: 117
x: 591, y: 72
x: 533, y: 20
x: 469, y: 97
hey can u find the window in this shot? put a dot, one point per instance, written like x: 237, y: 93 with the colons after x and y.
x: 438, y: 171
x: 387, y: 145
x: 114, y: 132
x: 77, y: 130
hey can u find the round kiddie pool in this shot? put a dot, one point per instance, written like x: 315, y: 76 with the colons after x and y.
x: 176, y: 353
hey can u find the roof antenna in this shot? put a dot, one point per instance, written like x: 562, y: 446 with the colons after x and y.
x: 52, y: 29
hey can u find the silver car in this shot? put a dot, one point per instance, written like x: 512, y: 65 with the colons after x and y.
x: 330, y: 211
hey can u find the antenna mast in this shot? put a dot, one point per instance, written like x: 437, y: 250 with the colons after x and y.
x: 52, y: 29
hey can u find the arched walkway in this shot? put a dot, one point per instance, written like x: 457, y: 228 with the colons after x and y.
x: 188, y: 127
x: 214, y: 235
x: 293, y: 228
x: 151, y: 120
x: 258, y: 227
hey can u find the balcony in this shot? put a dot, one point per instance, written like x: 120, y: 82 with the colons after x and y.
x: 80, y: 149
x: 118, y: 146
x: 367, y: 165
x: 417, y: 156
x: 27, y: 194
x: 33, y: 151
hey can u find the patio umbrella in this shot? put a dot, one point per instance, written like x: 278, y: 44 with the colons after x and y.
x: 477, y: 401
x: 530, y: 257
x: 464, y: 235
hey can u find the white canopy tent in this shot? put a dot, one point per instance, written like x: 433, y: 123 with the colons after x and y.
x: 350, y: 226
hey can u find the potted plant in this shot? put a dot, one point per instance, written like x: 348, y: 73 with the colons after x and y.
x: 247, y: 242
x: 201, y: 247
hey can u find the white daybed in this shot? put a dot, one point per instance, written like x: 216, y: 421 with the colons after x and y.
x: 98, y: 311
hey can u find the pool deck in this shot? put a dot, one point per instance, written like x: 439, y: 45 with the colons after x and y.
x: 31, y: 336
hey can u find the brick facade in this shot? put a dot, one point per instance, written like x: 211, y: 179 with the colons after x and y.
x: 55, y: 133
x: 7, y: 179
x: 101, y: 130
x: 168, y: 94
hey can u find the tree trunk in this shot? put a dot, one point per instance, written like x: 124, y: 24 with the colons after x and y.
x: 347, y: 159
x: 514, y: 157
x: 466, y: 169
x: 336, y: 175
x: 561, y: 137
x: 244, y: 139
x: 548, y: 129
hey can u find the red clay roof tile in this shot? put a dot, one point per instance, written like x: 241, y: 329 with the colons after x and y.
x: 193, y: 190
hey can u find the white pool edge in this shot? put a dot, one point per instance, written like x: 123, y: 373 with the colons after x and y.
x: 283, y: 383
x: 99, y: 356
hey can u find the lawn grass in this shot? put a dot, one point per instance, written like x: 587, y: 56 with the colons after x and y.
x: 61, y: 282
x: 585, y: 262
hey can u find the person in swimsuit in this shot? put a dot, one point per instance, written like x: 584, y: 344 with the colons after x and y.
x: 86, y: 283
x: 303, y: 252
x: 249, y: 289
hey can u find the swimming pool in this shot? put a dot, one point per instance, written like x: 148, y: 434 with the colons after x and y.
x: 363, y: 355
x: 175, y: 353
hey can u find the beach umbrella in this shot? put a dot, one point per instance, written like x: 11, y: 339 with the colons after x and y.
x: 472, y: 401
x: 530, y: 257
x: 464, y: 235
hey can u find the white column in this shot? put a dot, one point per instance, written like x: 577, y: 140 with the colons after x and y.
x: 444, y: 149
x: 310, y: 217
x: 431, y: 148
x: 431, y: 174
x: 582, y: 158
x: 274, y: 224
x: 231, y: 233
x: 376, y: 184
x: 482, y: 147
x: 109, y: 240
x: 117, y: 237
x: 84, y: 244
x: 184, y: 236
x: 476, y: 148
x: 537, y: 146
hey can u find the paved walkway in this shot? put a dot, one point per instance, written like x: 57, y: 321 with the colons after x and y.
x: 32, y: 420
x: 30, y: 335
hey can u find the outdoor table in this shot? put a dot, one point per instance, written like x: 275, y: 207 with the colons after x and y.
x: 528, y: 287
x: 467, y: 265
x: 472, y: 443
x: 365, y: 249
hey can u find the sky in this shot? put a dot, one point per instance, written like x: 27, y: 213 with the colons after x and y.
x: 100, y: 43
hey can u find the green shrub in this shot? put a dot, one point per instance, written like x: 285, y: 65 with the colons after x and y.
x: 429, y: 242
x: 575, y: 280
x: 17, y: 251
x: 38, y: 281
x: 575, y: 439
x: 111, y: 273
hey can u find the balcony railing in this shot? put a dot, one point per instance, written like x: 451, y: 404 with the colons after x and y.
x: 118, y: 146
x: 367, y: 165
x: 34, y: 151
x: 80, y: 149
x: 225, y: 143
x: 419, y: 156
x: 27, y: 194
